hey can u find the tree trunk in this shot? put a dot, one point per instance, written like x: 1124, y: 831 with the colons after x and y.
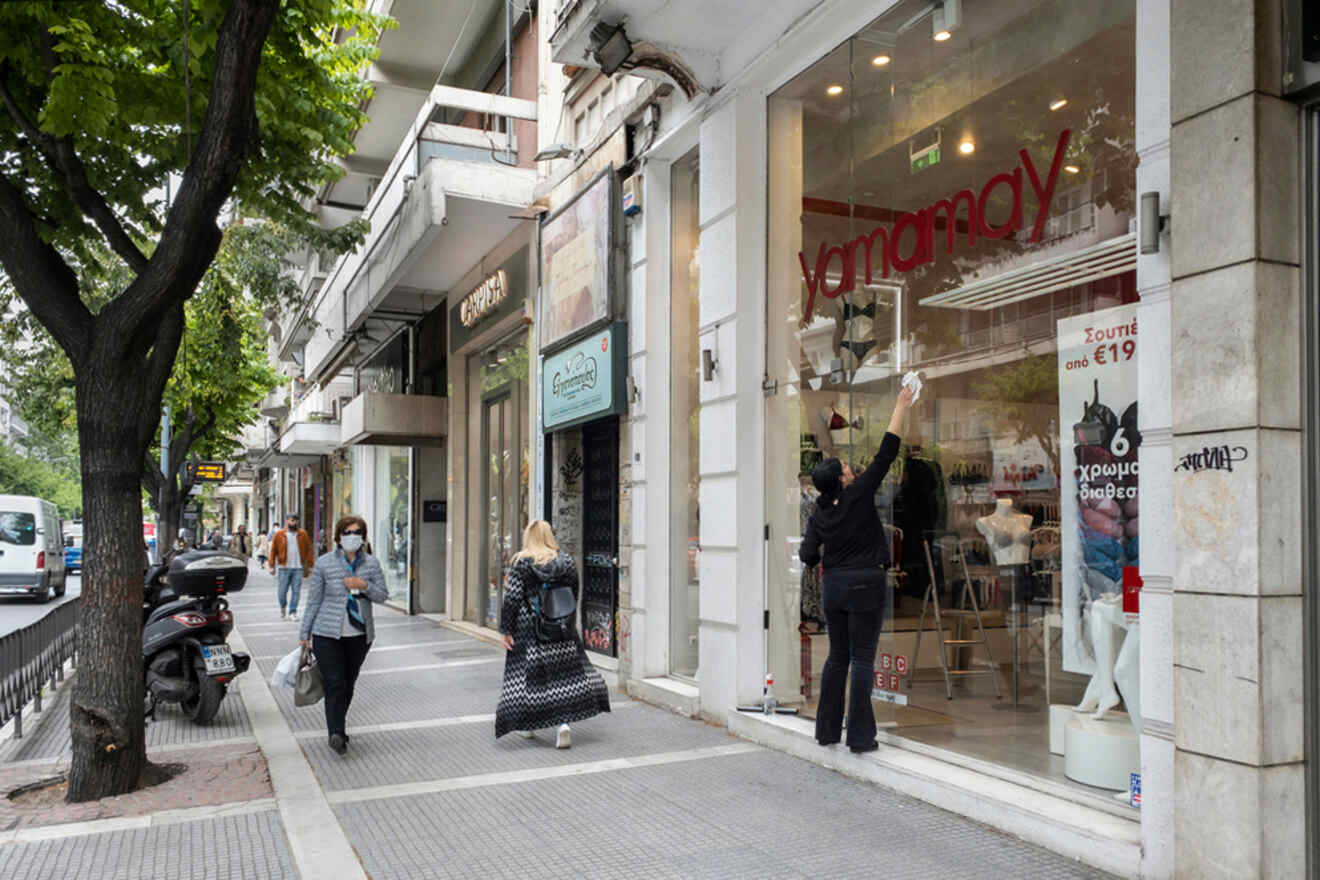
x: 109, y: 745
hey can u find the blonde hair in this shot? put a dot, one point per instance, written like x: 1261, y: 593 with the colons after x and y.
x: 538, y: 543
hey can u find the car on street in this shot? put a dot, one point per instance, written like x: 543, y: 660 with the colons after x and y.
x: 72, y: 554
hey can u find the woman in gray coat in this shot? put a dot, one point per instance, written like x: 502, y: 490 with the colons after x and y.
x: 336, y: 622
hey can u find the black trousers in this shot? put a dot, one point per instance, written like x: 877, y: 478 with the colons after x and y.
x: 854, y: 614
x: 339, y: 660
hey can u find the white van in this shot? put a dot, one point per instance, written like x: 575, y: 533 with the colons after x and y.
x: 31, y: 548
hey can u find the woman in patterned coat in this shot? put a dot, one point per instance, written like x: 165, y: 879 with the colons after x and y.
x: 545, y: 685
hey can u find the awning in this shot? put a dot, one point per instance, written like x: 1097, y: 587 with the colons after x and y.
x: 1108, y: 258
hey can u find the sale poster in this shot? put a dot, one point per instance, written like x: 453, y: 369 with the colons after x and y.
x: 1098, y: 456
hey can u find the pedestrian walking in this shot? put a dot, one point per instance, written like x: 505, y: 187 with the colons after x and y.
x: 263, y: 548
x: 337, y: 624
x: 217, y: 540
x: 290, y: 559
x: 241, y: 544
x: 546, y: 684
x: 855, y: 588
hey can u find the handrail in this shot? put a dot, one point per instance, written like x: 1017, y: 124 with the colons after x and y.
x: 33, y: 656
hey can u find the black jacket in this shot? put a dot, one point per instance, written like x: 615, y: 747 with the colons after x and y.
x: 847, y: 523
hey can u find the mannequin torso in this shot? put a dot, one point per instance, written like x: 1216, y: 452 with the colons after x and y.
x: 1007, y: 533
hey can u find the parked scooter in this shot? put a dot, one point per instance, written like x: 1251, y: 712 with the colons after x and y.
x: 186, y: 622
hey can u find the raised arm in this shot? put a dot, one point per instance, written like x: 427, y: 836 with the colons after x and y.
x: 870, y: 479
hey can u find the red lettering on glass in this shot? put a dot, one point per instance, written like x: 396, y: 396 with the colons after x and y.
x: 923, y: 223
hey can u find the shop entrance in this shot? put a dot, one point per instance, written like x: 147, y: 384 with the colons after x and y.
x: 504, y: 463
x: 600, y: 536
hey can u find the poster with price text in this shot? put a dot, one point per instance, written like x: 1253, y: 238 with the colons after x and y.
x: 1098, y: 457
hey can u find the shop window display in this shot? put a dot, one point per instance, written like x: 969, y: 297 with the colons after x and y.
x: 965, y: 209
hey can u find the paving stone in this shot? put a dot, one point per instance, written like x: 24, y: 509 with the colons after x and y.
x: 392, y: 757
x: 746, y: 816
x: 233, y: 848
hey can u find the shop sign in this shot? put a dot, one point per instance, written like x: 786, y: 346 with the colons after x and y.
x: 499, y: 296
x: 1099, y: 487
x: 584, y: 382
x: 886, y: 245
x: 577, y: 278
x: 484, y: 299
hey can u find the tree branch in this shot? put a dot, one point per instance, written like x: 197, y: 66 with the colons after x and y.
x: 160, y: 363
x: 63, y: 159
x: 229, y: 134
x: 41, y: 276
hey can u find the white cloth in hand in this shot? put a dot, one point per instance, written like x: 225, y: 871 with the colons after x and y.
x: 913, y: 381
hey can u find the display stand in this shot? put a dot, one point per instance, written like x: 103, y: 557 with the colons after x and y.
x: 1102, y: 754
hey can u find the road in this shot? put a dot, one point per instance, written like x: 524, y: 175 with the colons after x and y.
x: 17, y: 612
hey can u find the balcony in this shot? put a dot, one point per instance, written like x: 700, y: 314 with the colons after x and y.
x: 445, y: 199
x: 376, y: 419
x: 665, y: 43
x: 313, y: 425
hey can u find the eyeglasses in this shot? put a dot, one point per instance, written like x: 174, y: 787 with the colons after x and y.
x: 352, y: 532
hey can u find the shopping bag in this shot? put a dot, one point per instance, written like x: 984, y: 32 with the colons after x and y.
x: 309, y: 689
x: 286, y: 671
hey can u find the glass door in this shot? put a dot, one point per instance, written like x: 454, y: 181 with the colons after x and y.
x: 505, y: 464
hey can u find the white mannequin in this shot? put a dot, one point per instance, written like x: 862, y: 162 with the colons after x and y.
x: 1113, y: 664
x: 1007, y: 533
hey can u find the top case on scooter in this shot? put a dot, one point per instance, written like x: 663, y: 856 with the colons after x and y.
x: 207, y: 573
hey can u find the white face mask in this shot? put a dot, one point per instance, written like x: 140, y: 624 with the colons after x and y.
x: 350, y: 543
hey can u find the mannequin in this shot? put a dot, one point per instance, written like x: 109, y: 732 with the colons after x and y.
x: 1008, y: 534
x: 1113, y: 665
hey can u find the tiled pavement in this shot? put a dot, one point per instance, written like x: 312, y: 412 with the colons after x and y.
x: 642, y: 793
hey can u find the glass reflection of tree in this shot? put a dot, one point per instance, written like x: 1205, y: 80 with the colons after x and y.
x: 1024, y: 396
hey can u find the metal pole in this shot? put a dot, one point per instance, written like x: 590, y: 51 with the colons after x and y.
x: 508, y: 73
x: 165, y: 437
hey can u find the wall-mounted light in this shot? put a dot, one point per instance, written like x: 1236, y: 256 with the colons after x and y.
x: 946, y: 19
x: 967, y: 147
x: 610, y: 46
x: 834, y: 90
x: 1071, y: 169
x: 556, y: 151
x: 880, y: 60
x: 1154, y: 223
x: 708, y: 364
x: 1058, y: 103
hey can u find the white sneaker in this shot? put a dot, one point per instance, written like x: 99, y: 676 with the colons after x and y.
x: 527, y: 734
x: 293, y: 615
x: 564, y: 738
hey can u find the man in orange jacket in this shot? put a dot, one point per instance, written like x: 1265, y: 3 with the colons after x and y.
x: 291, y: 557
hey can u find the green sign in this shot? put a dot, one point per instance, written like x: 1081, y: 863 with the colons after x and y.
x: 585, y: 381
x: 927, y: 158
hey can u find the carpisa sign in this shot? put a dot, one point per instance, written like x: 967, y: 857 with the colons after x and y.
x: 585, y: 381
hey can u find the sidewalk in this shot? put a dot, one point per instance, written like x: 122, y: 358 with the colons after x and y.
x: 427, y: 792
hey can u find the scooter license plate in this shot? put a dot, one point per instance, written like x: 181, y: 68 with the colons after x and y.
x: 218, y: 659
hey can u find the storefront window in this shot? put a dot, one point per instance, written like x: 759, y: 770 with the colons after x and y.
x: 964, y: 209
x: 376, y: 485
x: 685, y: 456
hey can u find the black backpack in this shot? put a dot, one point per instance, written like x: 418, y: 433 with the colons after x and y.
x: 554, y: 613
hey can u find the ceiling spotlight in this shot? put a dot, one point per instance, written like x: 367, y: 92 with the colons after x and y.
x: 880, y: 60
x: 1071, y: 169
x: 1058, y: 103
x: 967, y: 147
x: 834, y: 90
x: 946, y: 19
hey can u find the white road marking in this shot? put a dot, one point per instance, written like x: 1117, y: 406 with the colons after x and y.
x: 126, y: 823
x: 424, y: 666
x: 425, y: 723
x: 445, y: 644
x: 513, y: 777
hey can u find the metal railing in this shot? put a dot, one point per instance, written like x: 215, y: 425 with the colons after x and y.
x: 34, y: 656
